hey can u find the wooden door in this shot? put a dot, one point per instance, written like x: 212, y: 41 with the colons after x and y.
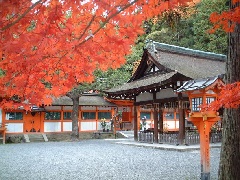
x: 32, y: 122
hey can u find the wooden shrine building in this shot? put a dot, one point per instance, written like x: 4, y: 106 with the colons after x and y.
x: 57, y: 117
x: 162, y: 69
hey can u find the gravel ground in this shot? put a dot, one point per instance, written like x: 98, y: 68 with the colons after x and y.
x: 99, y: 159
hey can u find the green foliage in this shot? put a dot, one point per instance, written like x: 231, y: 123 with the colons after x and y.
x: 1, y: 72
x: 190, y: 31
x: 216, y: 42
x: 112, y: 78
x: 173, y: 27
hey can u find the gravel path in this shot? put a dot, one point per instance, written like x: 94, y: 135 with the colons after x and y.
x: 99, y: 159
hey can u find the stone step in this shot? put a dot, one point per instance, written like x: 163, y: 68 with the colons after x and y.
x: 35, y: 137
x: 26, y: 137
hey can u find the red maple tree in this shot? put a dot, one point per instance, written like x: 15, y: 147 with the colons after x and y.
x: 50, y: 46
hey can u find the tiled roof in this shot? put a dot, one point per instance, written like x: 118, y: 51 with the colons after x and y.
x: 197, y: 84
x: 156, y: 79
x: 191, y: 63
x: 84, y: 100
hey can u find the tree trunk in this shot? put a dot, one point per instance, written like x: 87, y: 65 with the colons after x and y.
x: 75, y: 114
x: 230, y: 153
x: 74, y: 95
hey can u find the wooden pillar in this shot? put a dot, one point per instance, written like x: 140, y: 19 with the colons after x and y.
x: 204, y: 125
x: 80, y: 118
x: 160, y: 120
x: 4, y: 135
x: 181, y: 132
x: 115, y: 124
x: 96, y: 120
x: 204, y: 149
x: 42, y: 119
x: 155, y: 117
x: 135, y: 123
x: 62, y: 118
x: 155, y: 113
x: 3, y: 131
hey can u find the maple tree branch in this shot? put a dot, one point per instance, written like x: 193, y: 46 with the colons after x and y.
x: 22, y: 16
x: 89, y: 24
x: 100, y: 27
x: 107, y: 20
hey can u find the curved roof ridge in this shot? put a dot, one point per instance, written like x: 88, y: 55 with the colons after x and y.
x: 154, y: 46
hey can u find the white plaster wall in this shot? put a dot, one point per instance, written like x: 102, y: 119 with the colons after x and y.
x: 88, y: 108
x: 177, y: 124
x: 144, y: 97
x: 99, y: 127
x: 0, y: 115
x: 67, y: 126
x: 14, y: 127
x: 67, y: 108
x: 49, y: 108
x: 171, y: 124
x: 88, y: 126
x: 52, y: 126
x: 166, y: 93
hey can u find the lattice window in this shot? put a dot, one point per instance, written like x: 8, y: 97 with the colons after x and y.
x: 196, y: 102
x: 52, y: 115
x: 14, y: 115
x: 67, y: 115
x: 88, y: 115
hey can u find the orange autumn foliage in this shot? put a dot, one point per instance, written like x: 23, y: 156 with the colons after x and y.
x: 50, y: 46
x: 229, y: 97
x: 227, y: 19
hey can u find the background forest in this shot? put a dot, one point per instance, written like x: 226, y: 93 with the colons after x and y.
x: 187, y: 27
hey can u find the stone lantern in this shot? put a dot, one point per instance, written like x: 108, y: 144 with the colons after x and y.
x: 202, y: 92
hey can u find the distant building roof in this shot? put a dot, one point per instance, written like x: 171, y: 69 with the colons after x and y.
x: 91, y: 99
